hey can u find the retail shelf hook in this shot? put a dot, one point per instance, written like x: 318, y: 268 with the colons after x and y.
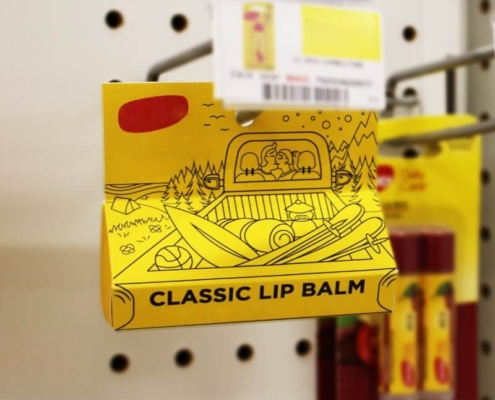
x: 192, y: 54
x: 466, y: 131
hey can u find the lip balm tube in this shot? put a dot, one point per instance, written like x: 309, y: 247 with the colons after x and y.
x: 356, y: 362
x: 438, y: 253
x: 399, y: 331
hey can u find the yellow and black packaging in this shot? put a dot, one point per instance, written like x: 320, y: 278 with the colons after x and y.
x: 441, y: 188
x: 206, y: 221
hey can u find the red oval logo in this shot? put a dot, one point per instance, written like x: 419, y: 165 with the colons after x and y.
x: 385, y: 176
x: 152, y: 113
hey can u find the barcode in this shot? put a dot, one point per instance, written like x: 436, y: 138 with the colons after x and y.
x: 329, y: 95
x: 286, y: 92
x: 304, y: 93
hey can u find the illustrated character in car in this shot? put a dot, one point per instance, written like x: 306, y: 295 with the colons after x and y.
x: 301, y: 215
x: 268, y: 162
x: 305, y: 164
x: 250, y: 167
x: 285, y: 164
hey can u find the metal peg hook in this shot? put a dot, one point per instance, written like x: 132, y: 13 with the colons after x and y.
x: 194, y: 53
x: 205, y: 49
x: 444, y: 134
x: 473, y: 56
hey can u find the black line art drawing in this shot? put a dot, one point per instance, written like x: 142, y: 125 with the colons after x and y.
x: 217, y: 116
x: 232, y: 214
x: 124, y: 205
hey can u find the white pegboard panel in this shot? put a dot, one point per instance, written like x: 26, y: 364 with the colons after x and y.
x: 481, y: 102
x: 54, y: 341
x: 439, y: 31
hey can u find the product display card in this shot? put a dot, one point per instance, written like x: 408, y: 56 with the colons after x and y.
x: 206, y: 221
x: 298, y: 54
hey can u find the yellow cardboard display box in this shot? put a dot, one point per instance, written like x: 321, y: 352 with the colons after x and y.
x: 206, y: 221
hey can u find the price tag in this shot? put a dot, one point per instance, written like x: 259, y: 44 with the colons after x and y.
x: 296, y: 54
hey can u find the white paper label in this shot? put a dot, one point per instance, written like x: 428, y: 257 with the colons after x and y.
x: 293, y: 54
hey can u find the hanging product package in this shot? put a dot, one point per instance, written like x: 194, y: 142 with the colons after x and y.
x: 206, y: 221
x: 435, y: 198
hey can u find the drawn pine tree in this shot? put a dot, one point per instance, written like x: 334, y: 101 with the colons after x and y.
x: 348, y: 166
x: 373, y: 188
x: 182, y: 203
x: 211, y: 198
x: 185, y: 190
x: 197, y: 194
x: 356, y: 184
x: 364, y: 187
x: 182, y: 183
x: 182, y: 190
x: 168, y: 197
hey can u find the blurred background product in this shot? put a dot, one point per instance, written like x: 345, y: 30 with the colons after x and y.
x: 356, y: 358
x: 399, y: 331
x: 438, y: 255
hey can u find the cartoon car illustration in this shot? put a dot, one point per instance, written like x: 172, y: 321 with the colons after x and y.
x: 277, y: 208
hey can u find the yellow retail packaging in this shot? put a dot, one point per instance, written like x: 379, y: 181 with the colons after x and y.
x: 206, y: 221
x: 440, y: 189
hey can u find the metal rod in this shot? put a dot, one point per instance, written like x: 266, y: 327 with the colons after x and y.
x: 445, y: 134
x: 473, y: 56
x: 476, y: 55
x: 403, y: 102
x: 187, y: 56
x: 450, y: 90
x: 205, y: 49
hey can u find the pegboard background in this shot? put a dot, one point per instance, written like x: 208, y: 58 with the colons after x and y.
x: 54, y: 342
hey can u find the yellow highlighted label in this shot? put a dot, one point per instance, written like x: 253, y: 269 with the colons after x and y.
x: 341, y: 33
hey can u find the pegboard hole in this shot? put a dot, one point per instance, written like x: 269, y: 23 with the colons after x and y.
x: 485, y: 290
x: 485, y: 65
x: 485, y: 177
x: 485, y: 234
x: 485, y: 6
x: 486, y: 347
x: 245, y: 352
x: 183, y: 358
x: 411, y: 152
x: 409, y: 33
x: 410, y: 92
x: 178, y: 22
x: 484, y: 116
x: 303, y: 347
x: 119, y: 363
x: 114, y: 19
